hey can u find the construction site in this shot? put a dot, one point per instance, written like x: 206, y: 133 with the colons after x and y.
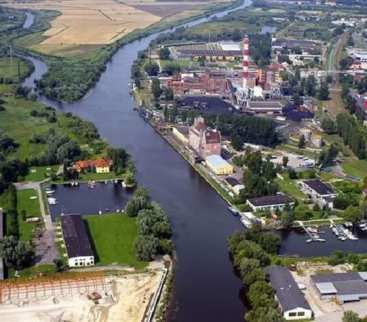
x: 85, y: 297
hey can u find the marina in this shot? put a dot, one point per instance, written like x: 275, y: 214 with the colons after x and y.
x: 86, y: 198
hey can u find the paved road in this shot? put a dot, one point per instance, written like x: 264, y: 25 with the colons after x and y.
x: 45, y: 248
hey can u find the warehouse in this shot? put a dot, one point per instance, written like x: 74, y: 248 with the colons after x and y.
x: 344, y: 287
x: 291, y: 300
x: 78, y: 247
x: 218, y: 165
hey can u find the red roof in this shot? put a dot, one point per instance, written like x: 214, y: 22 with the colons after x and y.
x: 87, y: 164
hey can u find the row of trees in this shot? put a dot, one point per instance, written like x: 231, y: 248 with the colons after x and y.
x: 352, y: 133
x: 154, y: 230
x: 15, y: 252
x: 249, y: 258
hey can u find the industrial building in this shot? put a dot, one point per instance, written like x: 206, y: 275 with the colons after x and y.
x: 78, y: 247
x: 321, y: 193
x: 203, y: 140
x: 344, y: 287
x: 290, y: 298
x: 274, y: 202
x: 218, y: 165
x: 226, y: 50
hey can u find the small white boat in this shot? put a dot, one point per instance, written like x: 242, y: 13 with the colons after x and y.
x: 309, y: 240
x: 52, y: 201
x: 50, y: 192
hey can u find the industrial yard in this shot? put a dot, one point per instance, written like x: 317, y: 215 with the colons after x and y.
x: 86, y: 297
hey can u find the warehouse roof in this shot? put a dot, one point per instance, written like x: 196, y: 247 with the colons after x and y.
x: 216, y: 160
x: 278, y: 199
x: 320, y: 187
x: 287, y: 291
x: 75, y: 236
x: 350, y: 283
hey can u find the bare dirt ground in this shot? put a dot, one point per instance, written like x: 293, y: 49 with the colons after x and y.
x: 125, y: 301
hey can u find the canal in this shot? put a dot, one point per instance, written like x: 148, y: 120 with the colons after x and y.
x: 205, y: 287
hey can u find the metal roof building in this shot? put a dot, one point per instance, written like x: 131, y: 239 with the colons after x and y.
x: 78, y: 247
x: 291, y: 299
x: 345, y: 287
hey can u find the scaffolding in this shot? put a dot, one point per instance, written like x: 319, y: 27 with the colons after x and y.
x: 59, y: 285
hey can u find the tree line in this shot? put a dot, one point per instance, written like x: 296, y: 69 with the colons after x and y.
x: 154, y: 230
x: 250, y: 252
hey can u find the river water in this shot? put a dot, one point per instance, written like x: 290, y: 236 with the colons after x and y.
x: 205, y: 287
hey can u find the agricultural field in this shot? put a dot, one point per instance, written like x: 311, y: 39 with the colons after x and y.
x: 84, y: 25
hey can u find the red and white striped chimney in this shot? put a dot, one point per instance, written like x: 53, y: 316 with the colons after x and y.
x: 245, y: 62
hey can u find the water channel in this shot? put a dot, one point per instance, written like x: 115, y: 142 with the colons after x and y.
x: 205, y: 287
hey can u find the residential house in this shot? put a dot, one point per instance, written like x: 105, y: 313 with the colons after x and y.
x: 272, y: 203
x: 102, y: 165
x: 78, y: 247
x: 290, y: 298
x: 321, y: 193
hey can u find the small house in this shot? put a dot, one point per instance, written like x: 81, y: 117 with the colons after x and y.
x: 321, y: 193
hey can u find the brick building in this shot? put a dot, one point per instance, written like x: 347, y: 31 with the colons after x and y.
x: 203, y: 140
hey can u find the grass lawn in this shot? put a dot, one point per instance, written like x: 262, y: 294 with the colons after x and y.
x: 355, y: 168
x: 40, y: 173
x: 113, y: 238
x: 290, y: 188
x: 98, y: 176
x: 44, y: 269
x: 31, y: 206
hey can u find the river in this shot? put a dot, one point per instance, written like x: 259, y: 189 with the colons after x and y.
x: 205, y: 287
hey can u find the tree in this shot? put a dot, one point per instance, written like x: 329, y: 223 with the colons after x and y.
x: 302, y: 142
x: 139, y: 200
x: 352, y: 214
x: 258, y: 293
x: 146, y: 247
x: 237, y: 142
x: 119, y: 159
x: 324, y: 91
x: 328, y: 125
x: 151, y: 68
x: 168, y: 94
x: 287, y: 218
x: 164, y: 53
x: 350, y: 316
x: 310, y: 86
x: 156, y: 88
x: 16, y: 253
x: 285, y: 161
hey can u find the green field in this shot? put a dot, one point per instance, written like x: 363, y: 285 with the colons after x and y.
x: 290, y: 188
x: 40, y: 173
x: 13, y: 69
x: 31, y: 206
x: 113, y: 238
x: 355, y: 168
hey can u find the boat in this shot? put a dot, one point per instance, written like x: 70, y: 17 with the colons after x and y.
x: 309, y: 240
x: 313, y: 230
x: 322, y: 240
x: 233, y: 211
x: 50, y: 192
x: 52, y: 201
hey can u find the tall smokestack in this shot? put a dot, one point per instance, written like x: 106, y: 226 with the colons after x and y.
x: 245, y: 62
